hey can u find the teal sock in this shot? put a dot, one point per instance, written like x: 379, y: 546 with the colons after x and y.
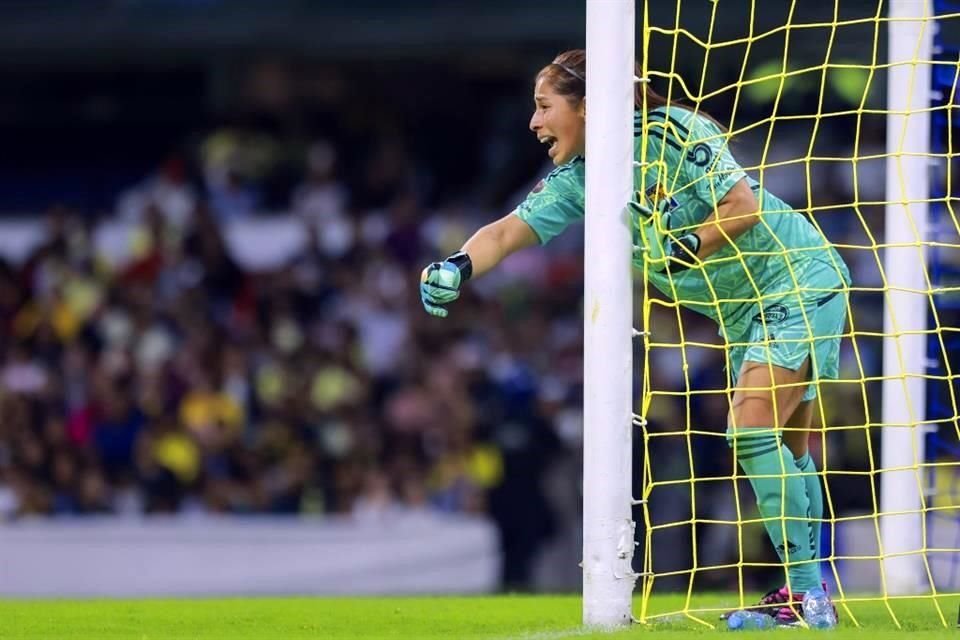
x: 781, y: 494
x: 815, y: 495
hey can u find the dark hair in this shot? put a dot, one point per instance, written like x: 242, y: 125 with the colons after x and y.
x: 567, y: 75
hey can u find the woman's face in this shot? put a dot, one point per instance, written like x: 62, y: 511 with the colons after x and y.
x: 557, y: 123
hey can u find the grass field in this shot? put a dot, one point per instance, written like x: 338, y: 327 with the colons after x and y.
x: 481, y: 618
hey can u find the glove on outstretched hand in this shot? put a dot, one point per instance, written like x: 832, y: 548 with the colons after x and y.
x: 440, y: 283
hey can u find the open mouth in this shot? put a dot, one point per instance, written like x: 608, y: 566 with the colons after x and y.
x: 551, y: 142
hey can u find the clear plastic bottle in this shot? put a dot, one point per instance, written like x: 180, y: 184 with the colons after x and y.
x: 749, y: 620
x: 818, y: 611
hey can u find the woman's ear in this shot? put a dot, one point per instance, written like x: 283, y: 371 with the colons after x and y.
x: 582, y: 109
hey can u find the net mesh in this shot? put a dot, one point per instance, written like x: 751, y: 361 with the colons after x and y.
x: 800, y: 90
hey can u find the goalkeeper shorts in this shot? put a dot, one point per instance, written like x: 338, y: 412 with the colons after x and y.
x: 785, y: 336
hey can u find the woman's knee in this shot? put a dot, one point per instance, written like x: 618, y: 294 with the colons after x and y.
x: 752, y: 410
x: 767, y: 396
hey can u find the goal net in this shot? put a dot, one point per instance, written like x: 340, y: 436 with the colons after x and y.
x: 845, y: 110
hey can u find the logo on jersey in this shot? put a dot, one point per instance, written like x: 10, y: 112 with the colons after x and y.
x: 657, y: 194
x: 773, y: 314
x: 701, y: 154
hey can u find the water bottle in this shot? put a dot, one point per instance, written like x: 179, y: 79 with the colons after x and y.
x: 818, y: 611
x: 749, y: 620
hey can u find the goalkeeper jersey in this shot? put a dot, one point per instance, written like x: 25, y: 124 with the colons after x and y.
x: 686, y: 169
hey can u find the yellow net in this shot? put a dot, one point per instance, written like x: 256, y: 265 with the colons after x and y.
x: 799, y: 90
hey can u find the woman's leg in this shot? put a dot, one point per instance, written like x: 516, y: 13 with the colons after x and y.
x: 796, y: 436
x: 766, y: 396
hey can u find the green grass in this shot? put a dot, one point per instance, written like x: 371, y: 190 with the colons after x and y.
x: 481, y: 618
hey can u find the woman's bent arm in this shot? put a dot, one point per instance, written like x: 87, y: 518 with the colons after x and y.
x: 736, y: 213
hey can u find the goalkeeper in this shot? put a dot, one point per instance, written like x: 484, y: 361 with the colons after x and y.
x: 713, y: 239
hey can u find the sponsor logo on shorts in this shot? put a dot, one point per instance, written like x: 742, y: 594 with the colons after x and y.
x: 774, y: 314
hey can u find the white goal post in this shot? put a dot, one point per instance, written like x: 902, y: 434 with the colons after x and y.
x: 608, y: 528
x: 910, y: 42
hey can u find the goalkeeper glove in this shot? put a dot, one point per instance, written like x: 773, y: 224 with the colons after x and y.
x: 440, y: 282
x: 666, y: 252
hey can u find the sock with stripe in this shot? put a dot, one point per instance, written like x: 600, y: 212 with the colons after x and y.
x: 815, y: 494
x: 782, y: 499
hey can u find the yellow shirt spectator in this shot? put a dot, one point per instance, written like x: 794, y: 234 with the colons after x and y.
x: 201, y: 409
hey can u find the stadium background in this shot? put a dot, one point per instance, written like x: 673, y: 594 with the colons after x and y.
x: 214, y: 215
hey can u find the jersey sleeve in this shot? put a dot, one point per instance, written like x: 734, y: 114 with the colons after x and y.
x: 555, y: 203
x: 710, y: 168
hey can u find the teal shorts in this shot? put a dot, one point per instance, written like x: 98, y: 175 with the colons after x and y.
x: 780, y: 335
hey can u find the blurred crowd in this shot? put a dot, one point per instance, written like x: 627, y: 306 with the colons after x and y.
x: 176, y: 380
x: 180, y: 380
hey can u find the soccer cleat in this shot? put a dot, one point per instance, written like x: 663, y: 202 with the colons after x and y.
x: 785, y: 608
x: 777, y: 604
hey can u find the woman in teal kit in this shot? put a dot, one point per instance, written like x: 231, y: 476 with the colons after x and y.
x: 716, y: 241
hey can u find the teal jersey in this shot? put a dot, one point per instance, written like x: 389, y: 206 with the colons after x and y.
x: 685, y: 170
